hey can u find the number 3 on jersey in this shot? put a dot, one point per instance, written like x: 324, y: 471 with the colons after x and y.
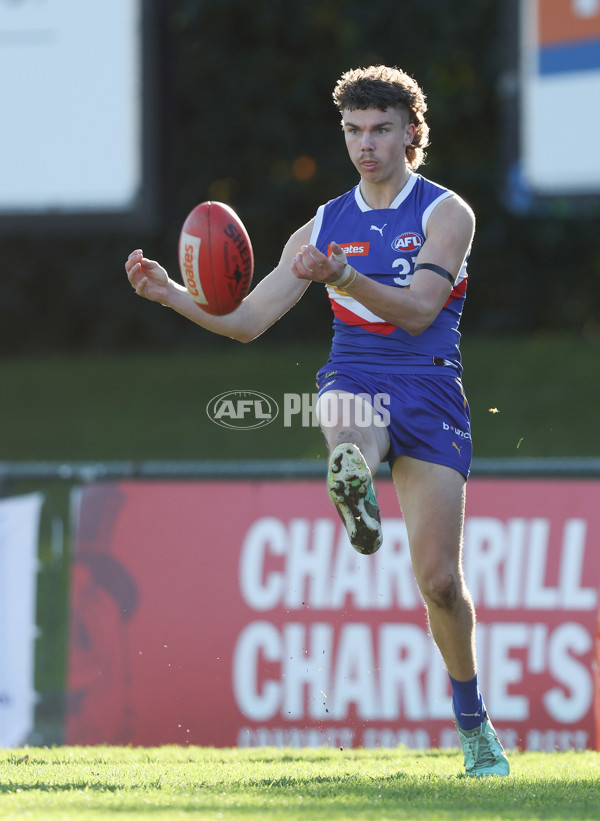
x: 405, y: 274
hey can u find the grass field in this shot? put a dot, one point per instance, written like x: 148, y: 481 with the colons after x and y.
x: 287, y: 784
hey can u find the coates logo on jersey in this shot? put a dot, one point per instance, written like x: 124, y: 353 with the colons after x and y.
x: 407, y: 242
x: 352, y: 249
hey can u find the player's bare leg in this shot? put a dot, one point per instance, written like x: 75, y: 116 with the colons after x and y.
x: 432, y: 500
x: 344, y: 417
x: 357, y: 443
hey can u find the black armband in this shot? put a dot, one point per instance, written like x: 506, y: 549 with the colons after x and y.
x: 437, y: 269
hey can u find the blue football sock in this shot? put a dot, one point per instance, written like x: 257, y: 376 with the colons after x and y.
x: 468, y: 704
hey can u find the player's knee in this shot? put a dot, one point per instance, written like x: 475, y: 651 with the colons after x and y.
x: 348, y: 434
x: 441, y: 590
x: 367, y: 446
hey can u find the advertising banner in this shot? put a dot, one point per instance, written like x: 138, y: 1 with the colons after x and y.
x: 53, y: 62
x: 560, y: 60
x: 19, y: 527
x: 236, y: 613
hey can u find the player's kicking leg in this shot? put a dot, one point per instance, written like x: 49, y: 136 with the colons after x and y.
x: 355, y: 453
x: 350, y: 488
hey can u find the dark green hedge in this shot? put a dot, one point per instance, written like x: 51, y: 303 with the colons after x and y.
x: 245, y: 91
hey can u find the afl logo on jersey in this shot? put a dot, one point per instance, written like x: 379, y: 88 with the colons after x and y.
x: 407, y: 242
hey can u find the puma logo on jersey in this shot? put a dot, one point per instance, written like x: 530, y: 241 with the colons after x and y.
x: 376, y: 228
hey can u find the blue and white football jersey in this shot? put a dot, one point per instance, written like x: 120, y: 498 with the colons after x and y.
x: 383, y: 244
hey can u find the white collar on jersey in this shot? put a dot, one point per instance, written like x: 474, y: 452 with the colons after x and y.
x: 412, y: 181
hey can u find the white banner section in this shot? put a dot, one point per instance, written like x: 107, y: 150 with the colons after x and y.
x: 19, y: 528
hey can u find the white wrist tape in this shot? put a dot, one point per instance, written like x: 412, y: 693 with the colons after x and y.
x: 348, y: 274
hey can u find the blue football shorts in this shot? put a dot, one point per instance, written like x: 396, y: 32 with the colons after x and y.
x: 427, y: 415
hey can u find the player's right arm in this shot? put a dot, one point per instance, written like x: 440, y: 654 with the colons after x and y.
x: 265, y: 304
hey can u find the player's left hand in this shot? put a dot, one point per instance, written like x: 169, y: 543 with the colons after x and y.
x: 310, y: 263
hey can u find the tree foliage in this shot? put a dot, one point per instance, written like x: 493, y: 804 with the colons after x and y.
x: 247, y: 118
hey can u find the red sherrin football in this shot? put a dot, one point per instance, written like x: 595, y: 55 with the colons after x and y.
x: 215, y: 257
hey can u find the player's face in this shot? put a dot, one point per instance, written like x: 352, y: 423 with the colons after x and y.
x: 376, y: 141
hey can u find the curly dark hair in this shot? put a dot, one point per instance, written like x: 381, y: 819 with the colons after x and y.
x: 384, y: 87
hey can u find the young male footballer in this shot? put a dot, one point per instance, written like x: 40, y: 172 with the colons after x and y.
x: 392, y: 253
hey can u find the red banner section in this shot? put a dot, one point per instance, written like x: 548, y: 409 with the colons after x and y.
x: 561, y: 21
x: 236, y: 613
